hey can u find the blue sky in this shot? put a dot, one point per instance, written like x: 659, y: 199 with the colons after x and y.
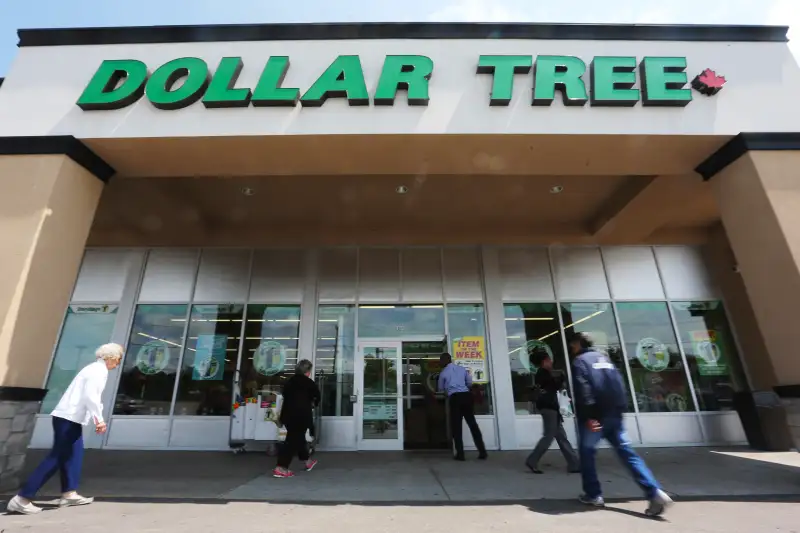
x: 16, y: 14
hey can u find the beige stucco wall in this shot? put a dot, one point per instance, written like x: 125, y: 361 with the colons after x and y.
x: 759, y: 200
x: 47, y: 205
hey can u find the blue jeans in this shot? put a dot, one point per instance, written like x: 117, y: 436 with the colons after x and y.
x: 66, y: 457
x: 614, y: 432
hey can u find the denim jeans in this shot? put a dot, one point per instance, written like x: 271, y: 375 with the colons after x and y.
x: 614, y: 432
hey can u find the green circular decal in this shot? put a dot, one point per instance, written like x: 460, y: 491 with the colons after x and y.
x: 676, y: 403
x: 208, y: 368
x: 153, y: 357
x: 270, y: 358
x: 531, y: 347
x: 652, y: 354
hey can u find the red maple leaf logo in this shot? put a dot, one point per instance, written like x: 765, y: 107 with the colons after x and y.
x: 708, y: 82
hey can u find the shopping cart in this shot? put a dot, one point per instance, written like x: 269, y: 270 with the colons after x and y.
x: 254, y: 424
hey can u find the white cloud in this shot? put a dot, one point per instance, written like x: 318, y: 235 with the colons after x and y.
x: 478, y: 11
x: 787, y: 13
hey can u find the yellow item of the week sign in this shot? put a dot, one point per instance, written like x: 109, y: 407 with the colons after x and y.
x: 470, y: 353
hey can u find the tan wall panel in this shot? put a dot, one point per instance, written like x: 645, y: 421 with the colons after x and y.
x: 722, y: 265
x: 759, y: 200
x: 47, y: 205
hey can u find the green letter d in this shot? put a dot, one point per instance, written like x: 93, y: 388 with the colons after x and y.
x: 105, y: 90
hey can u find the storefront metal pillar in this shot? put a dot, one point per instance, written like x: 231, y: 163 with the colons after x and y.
x: 500, y: 363
x: 49, y: 190
x: 306, y: 347
x: 755, y: 181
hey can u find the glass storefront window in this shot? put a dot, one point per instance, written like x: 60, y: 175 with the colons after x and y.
x: 657, y: 371
x: 269, y: 353
x: 392, y: 321
x: 209, y: 361
x: 597, y: 321
x: 151, y: 360
x: 531, y: 328
x: 710, y: 353
x: 465, y: 322
x: 335, y: 358
x: 86, y: 327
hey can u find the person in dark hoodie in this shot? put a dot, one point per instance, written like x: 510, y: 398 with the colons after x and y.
x: 547, y: 388
x: 300, y: 396
x: 601, y: 400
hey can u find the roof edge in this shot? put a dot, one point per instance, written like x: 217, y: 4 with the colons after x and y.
x: 743, y: 143
x: 398, y: 30
x: 67, y: 145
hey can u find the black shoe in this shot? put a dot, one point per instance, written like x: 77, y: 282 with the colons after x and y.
x: 573, y: 471
x: 459, y: 458
x: 534, y: 470
x: 483, y: 456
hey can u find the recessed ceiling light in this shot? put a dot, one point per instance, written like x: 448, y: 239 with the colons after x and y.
x: 557, y: 189
x: 401, y: 189
x: 247, y: 191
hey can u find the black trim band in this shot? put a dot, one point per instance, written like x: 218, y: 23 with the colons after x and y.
x: 59, y: 144
x: 1, y: 81
x: 21, y: 394
x: 398, y: 30
x: 787, y: 391
x: 743, y: 143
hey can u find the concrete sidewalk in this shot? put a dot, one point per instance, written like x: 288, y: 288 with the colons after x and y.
x: 425, y: 478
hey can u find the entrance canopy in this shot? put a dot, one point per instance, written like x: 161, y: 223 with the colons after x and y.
x: 306, y: 190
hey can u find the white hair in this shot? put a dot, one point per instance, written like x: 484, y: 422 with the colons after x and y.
x: 109, y: 351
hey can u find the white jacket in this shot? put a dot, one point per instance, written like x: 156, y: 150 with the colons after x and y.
x: 81, y: 403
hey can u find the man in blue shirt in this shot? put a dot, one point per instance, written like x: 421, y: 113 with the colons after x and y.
x: 602, y: 399
x: 456, y: 381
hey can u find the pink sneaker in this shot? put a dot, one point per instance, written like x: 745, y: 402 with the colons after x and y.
x: 310, y: 465
x: 282, y: 473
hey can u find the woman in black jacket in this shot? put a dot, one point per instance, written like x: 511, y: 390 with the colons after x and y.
x: 548, y: 387
x: 300, y: 396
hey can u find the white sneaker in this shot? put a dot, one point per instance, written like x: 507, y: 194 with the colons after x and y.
x: 597, y: 501
x: 16, y: 505
x: 74, y: 501
x: 658, y: 504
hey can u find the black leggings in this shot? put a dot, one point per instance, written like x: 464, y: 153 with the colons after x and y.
x: 295, y: 444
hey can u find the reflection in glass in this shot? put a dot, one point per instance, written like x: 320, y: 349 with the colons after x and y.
x: 530, y: 329
x: 597, y: 321
x: 467, y: 320
x: 151, y: 360
x: 209, y: 361
x: 424, y: 411
x: 86, y: 327
x: 381, y: 366
x: 392, y: 321
x: 269, y: 353
x: 710, y: 353
x: 654, y: 358
x: 334, y: 362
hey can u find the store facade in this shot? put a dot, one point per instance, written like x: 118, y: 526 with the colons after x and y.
x: 225, y: 200
x: 648, y: 307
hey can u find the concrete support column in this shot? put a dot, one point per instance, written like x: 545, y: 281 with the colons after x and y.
x: 759, y: 200
x: 47, y: 204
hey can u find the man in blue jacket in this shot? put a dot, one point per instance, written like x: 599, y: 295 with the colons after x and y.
x: 601, y: 399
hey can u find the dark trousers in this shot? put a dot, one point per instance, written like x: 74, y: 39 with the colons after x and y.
x: 461, y: 407
x: 65, y: 457
x: 553, y: 429
x: 295, y: 444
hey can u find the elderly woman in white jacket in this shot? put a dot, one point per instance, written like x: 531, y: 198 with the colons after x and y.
x: 80, y: 405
